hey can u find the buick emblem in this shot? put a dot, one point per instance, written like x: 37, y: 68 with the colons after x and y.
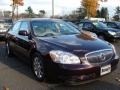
x: 102, y: 56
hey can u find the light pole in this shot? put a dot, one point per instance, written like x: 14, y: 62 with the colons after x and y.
x: 52, y: 8
x: 17, y: 11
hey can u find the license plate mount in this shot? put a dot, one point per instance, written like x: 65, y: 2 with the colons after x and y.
x: 105, y: 70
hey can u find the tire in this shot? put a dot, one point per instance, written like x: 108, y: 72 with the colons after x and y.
x: 101, y: 37
x: 8, y: 50
x: 38, y: 67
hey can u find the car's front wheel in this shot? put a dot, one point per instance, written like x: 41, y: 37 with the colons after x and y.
x: 38, y: 67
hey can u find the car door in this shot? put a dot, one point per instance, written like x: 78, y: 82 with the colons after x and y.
x: 12, y: 36
x: 23, y: 45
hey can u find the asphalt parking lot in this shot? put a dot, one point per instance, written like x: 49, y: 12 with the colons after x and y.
x: 17, y: 75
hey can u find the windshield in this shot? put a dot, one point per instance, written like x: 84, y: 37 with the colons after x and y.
x: 100, y: 25
x: 48, y: 28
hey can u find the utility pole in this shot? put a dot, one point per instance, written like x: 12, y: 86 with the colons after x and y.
x: 13, y: 8
x: 17, y: 11
x: 52, y: 8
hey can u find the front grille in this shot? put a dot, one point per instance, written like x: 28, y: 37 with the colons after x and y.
x: 99, y: 56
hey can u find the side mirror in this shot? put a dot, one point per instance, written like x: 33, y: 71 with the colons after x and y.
x: 23, y: 33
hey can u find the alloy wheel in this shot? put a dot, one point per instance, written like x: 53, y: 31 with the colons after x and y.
x: 38, y: 68
x: 8, y: 49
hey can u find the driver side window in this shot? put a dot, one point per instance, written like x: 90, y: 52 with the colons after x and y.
x: 39, y: 28
x: 88, y: 26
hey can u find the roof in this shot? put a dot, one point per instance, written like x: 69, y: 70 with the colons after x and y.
x: 39, y: 19
x: 112, y: 21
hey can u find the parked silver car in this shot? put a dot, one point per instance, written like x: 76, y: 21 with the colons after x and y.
x: 5, y: 24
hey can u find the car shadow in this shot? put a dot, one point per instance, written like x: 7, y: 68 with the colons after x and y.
x: 14, y: 62
x: 96, y: 85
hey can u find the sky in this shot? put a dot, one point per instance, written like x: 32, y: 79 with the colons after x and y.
x: 61, y: 6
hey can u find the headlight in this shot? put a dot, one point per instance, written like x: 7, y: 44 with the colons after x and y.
x: 116, y: 55
x: 64, y: 57
x: 112, y: 33
x: 113, y: 47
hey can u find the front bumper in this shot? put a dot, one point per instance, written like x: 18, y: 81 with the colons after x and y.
x: 113, y: 36
x: 116, y: 37
x: 79, y: 73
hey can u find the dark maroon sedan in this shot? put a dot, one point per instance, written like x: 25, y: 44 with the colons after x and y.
x: 57, y: 50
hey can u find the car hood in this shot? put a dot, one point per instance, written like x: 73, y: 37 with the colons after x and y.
x: 75, y: 43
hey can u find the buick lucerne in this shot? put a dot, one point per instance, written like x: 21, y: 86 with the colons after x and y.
x: 55, y: 49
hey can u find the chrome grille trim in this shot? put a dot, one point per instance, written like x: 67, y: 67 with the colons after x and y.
x: 98, y: 52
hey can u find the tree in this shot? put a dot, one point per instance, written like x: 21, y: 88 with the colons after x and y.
x: 42, y: 13
x: 23, y: 15
x: 117, y: 14
x: 7, y: 14
x: 81, y: 13
x: 104, y: 13
x: 116, y: 17
x: 117, y: 10
x: 98, y: 14
x: 15, y: 4
x: 91, y: 7
x: 76, y: 15
x: 30, y: 12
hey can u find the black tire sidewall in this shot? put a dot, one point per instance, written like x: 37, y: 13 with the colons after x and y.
x: 8, y: 48
x: 40, y: 58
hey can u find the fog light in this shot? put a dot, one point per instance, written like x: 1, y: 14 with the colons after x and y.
x: 87, y: 77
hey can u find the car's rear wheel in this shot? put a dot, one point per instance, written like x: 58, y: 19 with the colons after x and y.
x: 38, y: 67
x: 8, y: 49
